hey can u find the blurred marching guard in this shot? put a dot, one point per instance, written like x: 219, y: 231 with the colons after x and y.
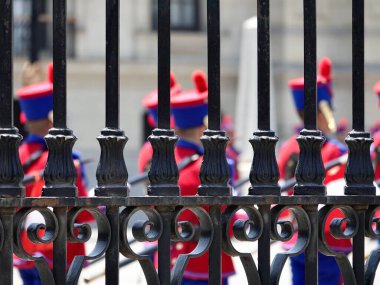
x: 150, y: 102
x: 190, y: 110
x: 328, y: 271
x: 36, y: 102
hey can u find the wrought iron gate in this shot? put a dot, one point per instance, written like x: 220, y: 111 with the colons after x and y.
x: 163, y: 203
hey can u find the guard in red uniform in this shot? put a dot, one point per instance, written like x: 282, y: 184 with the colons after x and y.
x: 36, y: 102
x: 150, y: 102
x: 332, y: 149
x: 190, y: 115
x: 376, y: 142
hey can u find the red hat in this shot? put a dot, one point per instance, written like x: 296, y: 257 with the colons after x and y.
x: 150, y: 101
x: 376, y: 88
x: 36, y: 101
x: 325, y: 67
x: 189, y: 108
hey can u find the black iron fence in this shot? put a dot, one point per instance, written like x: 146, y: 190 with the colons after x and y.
x: 163, y: 203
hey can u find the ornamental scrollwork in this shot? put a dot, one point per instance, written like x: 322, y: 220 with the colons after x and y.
x: 246, y: 229
x: 372, y: 228
x: 43, y: 231
x: 345, y: 227
x: 81, y: 233
x: 186, y: 231
x: 282, y: 229
x: 148, y: 230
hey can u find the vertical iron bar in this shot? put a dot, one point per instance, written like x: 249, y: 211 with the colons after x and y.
x: 59, y: 62
x: 6, y: 66
x: 112, y: 63
x: 264, y: 246
x: 311, y: 252
x: 112, y: 254
x: 215, y: 251
x: 60, y: 247
x: 164, y: 246
x: 358, y: 64
x: 310, y: 44
x: 6, y: 251
x: 358, y: 250
x: 33, y: 49
x: 163, y: 29
x: 213, y: 43
x: 263, y: 63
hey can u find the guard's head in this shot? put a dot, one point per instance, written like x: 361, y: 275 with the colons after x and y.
x: 36, y: 103
x: 189, y: 108
x: 150, y: 101
x: 326, y: 121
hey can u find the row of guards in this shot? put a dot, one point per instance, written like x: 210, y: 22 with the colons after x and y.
x: 189, y: 118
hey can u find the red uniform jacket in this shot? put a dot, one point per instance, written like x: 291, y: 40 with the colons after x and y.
x: 31, y: 145
x: 331, y: 150
x: 197, y: 268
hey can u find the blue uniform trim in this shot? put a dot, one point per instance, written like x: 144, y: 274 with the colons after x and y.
x: 190, y: 145
x: 342, y: 148
x: 32, y: 138
x: 323, y: 91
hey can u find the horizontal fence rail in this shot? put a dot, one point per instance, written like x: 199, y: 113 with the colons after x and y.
x: 214, y: 206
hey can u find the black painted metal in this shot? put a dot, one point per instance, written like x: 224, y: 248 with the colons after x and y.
x: 59, y: 174
x: 6, y: 69
x: 263, y: 65
x: 59, y: 62
x: 6, y: 245
x: 11, y: 172
x: 163, y: 28
x: 163, y: 174
x: 112, y: 254
x: 311, y: 251
x: 34, y: 31
x: 112, y: 63
x: 264, y: 174
x: 112, y: 173
x: 359, y: 172
x: 358, y: 65
x: 59, y: 247
x: 264, y: 246
x: 215, y: 254
x: 164, y: 260
x: 213, y: 48
x: 358, y: 246
x: 310, y: 59
x: 164, y: 205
